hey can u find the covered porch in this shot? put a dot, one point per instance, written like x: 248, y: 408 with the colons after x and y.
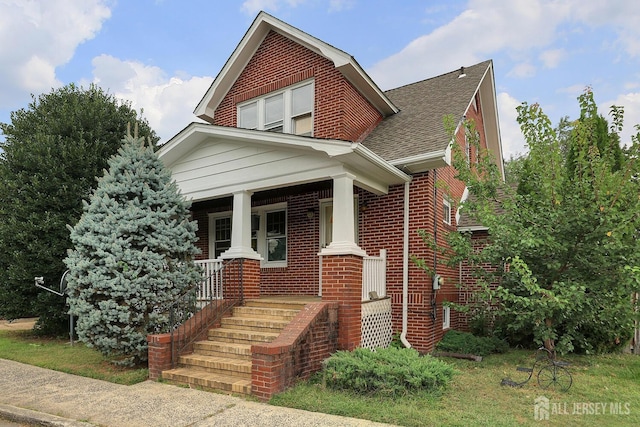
x: 288, y: 206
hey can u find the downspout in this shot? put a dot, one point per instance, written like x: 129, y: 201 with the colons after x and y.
x: 405, y: 268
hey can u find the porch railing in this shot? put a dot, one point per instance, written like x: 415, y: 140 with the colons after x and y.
x: 211, y: 286
x: 202, y: 305
x: 374, y: 275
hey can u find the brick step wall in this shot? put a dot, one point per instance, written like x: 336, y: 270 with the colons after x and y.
x: 223, y: 361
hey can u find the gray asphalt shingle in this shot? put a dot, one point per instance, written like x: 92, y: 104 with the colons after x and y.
x: 418, y: 128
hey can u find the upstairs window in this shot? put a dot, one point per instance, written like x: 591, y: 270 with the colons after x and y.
x: 287, y: 111
x: 274, y: 113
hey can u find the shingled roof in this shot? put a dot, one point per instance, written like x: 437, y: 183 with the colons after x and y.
x: 418, y: 128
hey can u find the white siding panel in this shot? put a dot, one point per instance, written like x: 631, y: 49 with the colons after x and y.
x: 218, y: 168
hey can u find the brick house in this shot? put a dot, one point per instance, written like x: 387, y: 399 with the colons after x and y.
x: 314, y: 178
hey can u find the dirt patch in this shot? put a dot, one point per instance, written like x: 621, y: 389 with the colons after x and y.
x: 17, y: 325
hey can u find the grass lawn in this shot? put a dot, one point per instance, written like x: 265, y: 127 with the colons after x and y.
x: 59, y: 355
x: 476, y: 398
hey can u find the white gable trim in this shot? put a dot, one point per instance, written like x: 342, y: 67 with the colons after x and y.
x: 250, y: 43
x: 213, y: 161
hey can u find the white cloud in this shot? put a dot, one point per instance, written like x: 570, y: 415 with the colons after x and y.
x: 168, y: 102
x: 631, y: 103
x: 573, y: 90
x: 522, y: 70
x: 622, y: 15
x: 520, y: 32
x: 36, y: 37
x: 552, y: 57
x: 513, y: 142
x: 485, y: 27
x: 340, y: 5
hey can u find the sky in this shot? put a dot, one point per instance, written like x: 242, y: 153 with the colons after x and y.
x: 162, y: 55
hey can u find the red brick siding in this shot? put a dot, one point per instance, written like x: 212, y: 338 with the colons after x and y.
x: 340, y: 111
x: 159, y: 354
x: 298, y: 351
x: 342, y: 283
x: 383, y: 229
x: 301, y: 275
x: 467, y: 279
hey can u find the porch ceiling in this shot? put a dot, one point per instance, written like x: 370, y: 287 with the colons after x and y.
x: 210, y: 161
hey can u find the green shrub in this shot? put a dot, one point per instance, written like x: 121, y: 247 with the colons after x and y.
x: 389, y: 372
x: 467, y: 343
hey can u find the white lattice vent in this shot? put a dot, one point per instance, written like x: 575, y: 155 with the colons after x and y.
x: 376, y: 324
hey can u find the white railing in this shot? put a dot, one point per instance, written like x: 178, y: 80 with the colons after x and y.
x: 374, y: 275
x: 211, y: 286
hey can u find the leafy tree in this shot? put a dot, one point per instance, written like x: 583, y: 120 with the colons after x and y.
x: 566, y: 237
x: 132, y: 256
x: 53, y: 151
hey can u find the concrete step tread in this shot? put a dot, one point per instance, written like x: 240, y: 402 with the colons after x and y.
x: 201, y: 378
x: 223, y: 345
x: 267, y: 312
x: 213, y: 360
x: 245, y: 332
x: 258, y: 321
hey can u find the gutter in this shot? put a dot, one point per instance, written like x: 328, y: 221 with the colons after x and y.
x: 405, y: 268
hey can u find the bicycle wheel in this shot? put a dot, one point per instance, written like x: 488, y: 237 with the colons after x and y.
x: 555, y: 377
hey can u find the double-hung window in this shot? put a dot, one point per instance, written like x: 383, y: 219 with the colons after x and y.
x: 268, y: 233
x: 221, y: 236
x: 446, y: 211
x: 286, y: 111
x: 276, y: 236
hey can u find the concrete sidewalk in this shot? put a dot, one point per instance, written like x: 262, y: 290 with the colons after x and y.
x: 39, y: 396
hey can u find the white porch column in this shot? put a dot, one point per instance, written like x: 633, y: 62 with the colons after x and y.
x: 343, y: 241
x: 241, y: 228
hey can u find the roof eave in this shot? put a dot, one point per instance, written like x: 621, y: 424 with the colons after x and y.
x: 424, y: 162
x: 472, y: 228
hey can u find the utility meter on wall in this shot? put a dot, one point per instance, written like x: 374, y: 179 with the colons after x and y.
x: 438, y: 281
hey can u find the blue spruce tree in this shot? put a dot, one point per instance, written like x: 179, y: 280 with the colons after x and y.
x: 133, y: 254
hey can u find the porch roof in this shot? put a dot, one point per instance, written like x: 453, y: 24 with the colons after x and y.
x: 209, y: 161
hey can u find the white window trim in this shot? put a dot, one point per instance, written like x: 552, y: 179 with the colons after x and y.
x: 446, y: 202
x: 287, y: 120
x: 446, y: 317
x: 356, y: 219
x: 262, y: 233
x: 261, y: 211
x: 212, y: 229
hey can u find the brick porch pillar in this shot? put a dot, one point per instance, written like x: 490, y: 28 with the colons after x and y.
x: 342, y: 283
x: 246, y: 270
x: 251, y: 278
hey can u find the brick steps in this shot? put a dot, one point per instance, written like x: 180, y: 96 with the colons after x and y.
x: 241, y: 336
x: 208, y: 381
x: 223, y: 349
x: 223, y: 361
x: 254, y: 323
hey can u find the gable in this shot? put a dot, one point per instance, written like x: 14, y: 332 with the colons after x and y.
x: 273, y: 54
x: 340, y: 112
